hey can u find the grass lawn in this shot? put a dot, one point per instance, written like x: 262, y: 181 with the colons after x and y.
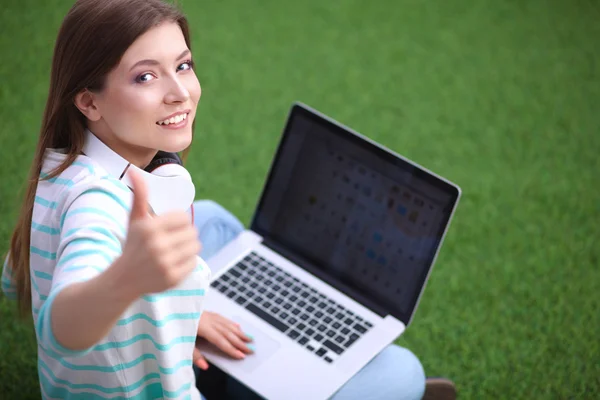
x: 502, y: 97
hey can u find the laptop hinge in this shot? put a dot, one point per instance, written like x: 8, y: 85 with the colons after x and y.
x: 313, y: 269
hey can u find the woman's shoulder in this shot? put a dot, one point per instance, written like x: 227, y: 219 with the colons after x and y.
x: 82, y: 176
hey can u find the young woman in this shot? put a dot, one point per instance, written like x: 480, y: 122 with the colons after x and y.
x: 115, y: 292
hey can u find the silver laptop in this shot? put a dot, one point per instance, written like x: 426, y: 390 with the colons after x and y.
x: 338, y: 253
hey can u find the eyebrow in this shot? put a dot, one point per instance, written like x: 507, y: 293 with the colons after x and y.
x: 154, y: 62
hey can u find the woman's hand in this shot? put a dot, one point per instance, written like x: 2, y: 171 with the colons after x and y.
x: 223, y: 333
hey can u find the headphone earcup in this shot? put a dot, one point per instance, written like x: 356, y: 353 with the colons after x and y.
x: 162, y: 158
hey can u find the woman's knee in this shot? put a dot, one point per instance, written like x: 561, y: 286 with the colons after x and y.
x: 216, y: 226
x: 407, y: 377
x: 395, y: 373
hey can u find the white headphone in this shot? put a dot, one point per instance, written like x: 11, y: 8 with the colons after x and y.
x: 170, y: 186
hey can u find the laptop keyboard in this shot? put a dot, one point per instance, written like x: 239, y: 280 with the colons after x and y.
x: 305, y: 315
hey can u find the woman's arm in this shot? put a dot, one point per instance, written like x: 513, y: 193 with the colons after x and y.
x: 95, y: 280
x: 83, y: 313
x: 8, y: 285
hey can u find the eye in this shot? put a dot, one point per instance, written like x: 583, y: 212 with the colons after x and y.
x: 189, y: 64
x: 144, y: 78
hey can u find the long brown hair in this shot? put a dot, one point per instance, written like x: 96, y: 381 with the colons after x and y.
x: 91, y: 41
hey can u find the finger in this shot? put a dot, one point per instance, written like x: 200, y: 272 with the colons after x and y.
x: 139, y: 208
x: 221, y: 340
x: 181, y: 237
x: 186, y: 256
x: 235, y: 340
x: 173, y: 221
x: 199, y: 360
x: 235, y: 327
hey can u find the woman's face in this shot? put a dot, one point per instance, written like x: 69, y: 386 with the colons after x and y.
x: 149, y: 100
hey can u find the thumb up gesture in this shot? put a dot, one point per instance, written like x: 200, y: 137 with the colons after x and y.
x: 159, y: 251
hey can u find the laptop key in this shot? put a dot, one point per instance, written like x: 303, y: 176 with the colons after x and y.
x: 304, y: 317
x: 294, y: 334
x: 276, y: 288
x: 245, y: 279
x: 368, y: 324
x: 253, y: 285
x: 311, y: 309
x: 242, y: 289
x: 340, y: 339
x: 348, y: 321
x: 301, y: 327
x: 240, y: 300
x: 250, y: 293
x: 327, y: 320
x: 313, y: 322
x: 329, y: 360
x: 330, y: 310
x: 360, y: 328
x: 321, y: 352
x: 278, y: 300
x: 330, y: 333
x: 225, y: 278
x: 258, y: 299
x: 284, y: 293
x: 339, y: 316
x: 322, y: 305
x: 345, y: 331
x: 231, y: 294
x: 283, y: 315
x: 333, y: 347
x: 234, y: 273
x: 319, y: 338
x: 336, y: 325
x: 270, y: 295
x: 214, y: 284
x: 275, y: 310
x: 303, y: 340
x: 287, y: 306
x: 313, y: 299
x: 267, y: 317
x: 309, y: 332
x: 223, y: 289
x: 295, y: 311
x: 266, y: 304
x: 292, y: 321
x: 321, y: 328
x: 279, y: 278
x: 319, y: 314
x: 293, y: 298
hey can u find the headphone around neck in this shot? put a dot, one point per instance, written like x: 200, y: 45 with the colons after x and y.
x: 170, y: 186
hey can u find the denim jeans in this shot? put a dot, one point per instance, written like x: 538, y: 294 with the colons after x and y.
x: 395, y: 373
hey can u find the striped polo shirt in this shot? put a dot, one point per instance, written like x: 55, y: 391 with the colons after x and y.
x: 79, y: 225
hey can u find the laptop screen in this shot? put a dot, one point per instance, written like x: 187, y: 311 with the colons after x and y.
x: 361, y: 215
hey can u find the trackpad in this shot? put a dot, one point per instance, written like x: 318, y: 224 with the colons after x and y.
x: 264, y: 346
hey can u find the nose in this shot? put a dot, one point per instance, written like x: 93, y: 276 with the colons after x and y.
x: 176, y: 91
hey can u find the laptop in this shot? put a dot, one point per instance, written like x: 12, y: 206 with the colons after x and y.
x: 335, y: 260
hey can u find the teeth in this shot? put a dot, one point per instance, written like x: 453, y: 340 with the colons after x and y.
x: 173, y: 120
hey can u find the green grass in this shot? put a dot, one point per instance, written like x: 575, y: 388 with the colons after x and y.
x: 501, y: 97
